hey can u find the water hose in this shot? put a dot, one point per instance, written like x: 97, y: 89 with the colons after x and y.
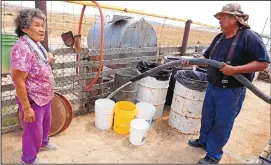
x: 196, y: 61
x: 101, y: 43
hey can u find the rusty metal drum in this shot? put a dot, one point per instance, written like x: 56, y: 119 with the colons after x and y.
x: 61, y: 114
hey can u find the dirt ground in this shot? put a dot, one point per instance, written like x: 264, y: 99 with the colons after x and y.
x: 83, y: 143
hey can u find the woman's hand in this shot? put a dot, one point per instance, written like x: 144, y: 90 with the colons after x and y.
x: 19, y: 78
x: 29, y: 115
x: 52, y: 59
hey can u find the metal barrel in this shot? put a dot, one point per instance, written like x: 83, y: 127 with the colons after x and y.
x: 129, y: 92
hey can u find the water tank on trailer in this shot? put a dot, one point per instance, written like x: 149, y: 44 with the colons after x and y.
x: 123, y: 32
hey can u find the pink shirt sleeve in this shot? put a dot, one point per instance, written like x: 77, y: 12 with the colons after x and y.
x: 21, y: 58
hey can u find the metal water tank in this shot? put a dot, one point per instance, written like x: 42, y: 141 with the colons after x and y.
x: 123, y: 32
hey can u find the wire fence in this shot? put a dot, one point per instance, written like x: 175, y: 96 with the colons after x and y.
x: 129, y: 38
x: 267, y: 43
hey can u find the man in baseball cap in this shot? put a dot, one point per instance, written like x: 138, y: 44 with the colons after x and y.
x: 241, y: 51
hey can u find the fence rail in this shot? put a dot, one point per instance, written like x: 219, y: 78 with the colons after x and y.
x: 76, y: 82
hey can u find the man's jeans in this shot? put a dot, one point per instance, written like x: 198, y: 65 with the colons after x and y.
x: 220, y: 108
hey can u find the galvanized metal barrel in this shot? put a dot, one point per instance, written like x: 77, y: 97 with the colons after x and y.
x: 123, y: 32
x: 128, y: 93
x: 186, y: 107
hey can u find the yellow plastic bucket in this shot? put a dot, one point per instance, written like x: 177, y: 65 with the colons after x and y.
x: 125, y: 112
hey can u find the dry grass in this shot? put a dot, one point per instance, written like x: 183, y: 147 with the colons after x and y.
x: 173, y: 36
x: 57, y: 23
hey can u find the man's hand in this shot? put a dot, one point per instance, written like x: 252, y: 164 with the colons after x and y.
x: 185, y: 64
x: 29, y: 115
x: 52, y: 59
x: 228, y: 69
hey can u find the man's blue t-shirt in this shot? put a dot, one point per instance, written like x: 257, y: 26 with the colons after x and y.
x: 250, y: 47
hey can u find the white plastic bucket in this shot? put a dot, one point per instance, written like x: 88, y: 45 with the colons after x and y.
x: 138, y: 131
x: 145, y: 111
x: 104, y: 113
x: 159, y: 108
x: 153, y: 91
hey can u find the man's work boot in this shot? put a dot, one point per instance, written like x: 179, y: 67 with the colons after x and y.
x: 196, y: 143
x: 208, y: 160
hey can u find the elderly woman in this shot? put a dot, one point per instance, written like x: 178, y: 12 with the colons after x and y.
x: 34, y: 83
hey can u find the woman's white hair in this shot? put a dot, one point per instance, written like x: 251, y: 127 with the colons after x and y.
x: 25, y: 18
